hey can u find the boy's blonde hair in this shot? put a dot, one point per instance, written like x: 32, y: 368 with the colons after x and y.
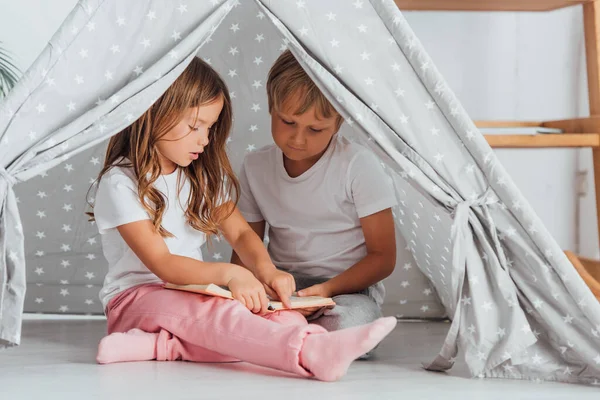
x: 288, y: 79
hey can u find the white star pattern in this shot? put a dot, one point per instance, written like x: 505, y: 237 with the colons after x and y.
x: 567, y: 319
x: 246, y: 80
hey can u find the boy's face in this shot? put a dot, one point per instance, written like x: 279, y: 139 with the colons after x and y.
x: 303, y: 137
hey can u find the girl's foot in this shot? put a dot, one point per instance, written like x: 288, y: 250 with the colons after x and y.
x: 328, y: 355
x: 133, y: 345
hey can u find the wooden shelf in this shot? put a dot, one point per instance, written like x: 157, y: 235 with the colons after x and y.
x: 589, y: 270
x: 578, y: 132
x: 486, y: 5
x: 544, y: 140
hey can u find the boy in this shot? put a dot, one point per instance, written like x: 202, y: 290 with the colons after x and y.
x: 327, y: 203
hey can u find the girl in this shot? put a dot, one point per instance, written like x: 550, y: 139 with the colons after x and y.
x: 166, y: 187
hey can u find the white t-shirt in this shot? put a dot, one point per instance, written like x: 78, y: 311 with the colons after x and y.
x: 314, y: 219
x: 117, y: 203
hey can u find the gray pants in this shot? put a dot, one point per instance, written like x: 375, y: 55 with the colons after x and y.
x: 350, y: 309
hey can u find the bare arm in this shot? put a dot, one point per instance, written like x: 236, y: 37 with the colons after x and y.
x: 152, y: 250
x: 278, y: 284
x: 259, y: 229
x: 378, y: 264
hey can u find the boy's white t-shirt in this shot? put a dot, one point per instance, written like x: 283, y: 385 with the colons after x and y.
x: 314, y: 219
x: 117, y: 203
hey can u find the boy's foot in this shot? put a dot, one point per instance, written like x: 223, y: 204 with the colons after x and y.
x: 328, y: 355
x: 133, y: 345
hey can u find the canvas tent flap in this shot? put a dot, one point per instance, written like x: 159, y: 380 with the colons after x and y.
x: 519, y: 309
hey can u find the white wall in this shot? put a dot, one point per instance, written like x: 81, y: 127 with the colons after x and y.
x: 501, y: 65
x: 523, y: 66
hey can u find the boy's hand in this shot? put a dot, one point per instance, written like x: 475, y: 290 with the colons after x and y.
x: 280, y: 285
x: 320, y: 290
x: 248, y: 290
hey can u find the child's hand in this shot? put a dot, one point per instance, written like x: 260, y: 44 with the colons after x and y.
x: 280, y: 285
x: 248, y: 290
x: 320, y: 290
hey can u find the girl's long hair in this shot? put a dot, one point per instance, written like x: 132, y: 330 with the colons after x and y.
x: 211, y: 176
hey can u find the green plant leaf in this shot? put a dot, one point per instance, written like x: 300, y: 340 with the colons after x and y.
x: 9, y: 73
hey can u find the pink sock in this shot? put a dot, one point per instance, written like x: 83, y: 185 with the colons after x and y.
x: 133, y: 345
x: 328, y: 355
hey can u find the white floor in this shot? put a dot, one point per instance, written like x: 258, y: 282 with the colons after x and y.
x: 56, y: 361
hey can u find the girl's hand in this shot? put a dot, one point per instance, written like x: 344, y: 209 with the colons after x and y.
x: 248, y: 290
x: 279, y: 285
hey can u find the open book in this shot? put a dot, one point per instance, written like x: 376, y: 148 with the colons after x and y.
x: 215, y: 290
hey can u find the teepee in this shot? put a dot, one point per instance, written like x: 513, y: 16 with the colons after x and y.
x: 481, y: 255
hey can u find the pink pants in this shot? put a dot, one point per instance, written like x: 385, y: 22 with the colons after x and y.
x: 194, y: 327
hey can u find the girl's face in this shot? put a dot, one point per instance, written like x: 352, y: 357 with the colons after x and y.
x: 186, y: 141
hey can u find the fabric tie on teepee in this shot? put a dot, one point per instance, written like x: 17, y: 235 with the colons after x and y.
x: 460, y: 235
x: 11, y: 263
x: 7, y: 177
